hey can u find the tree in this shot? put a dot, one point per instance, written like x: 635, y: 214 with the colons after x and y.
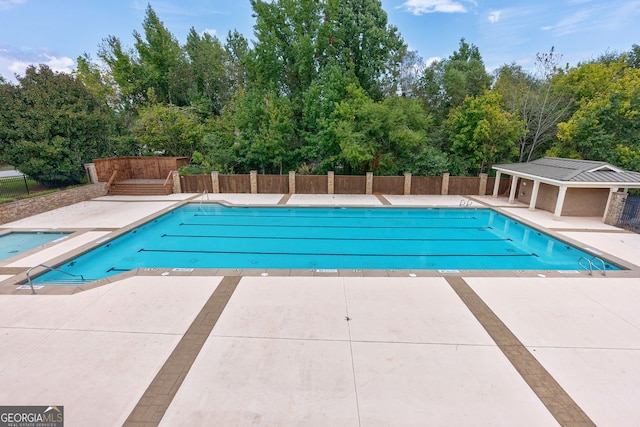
x: 169, y: 130
x: 482, y: 133
x: 384, y: 137
x: 606, y: 124
x: 51, y: 124
x: 446, y: 84
x: 358, y: 36
x: 537, y: 100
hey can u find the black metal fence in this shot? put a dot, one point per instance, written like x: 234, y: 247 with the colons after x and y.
x: 630, y: 218
x: 15, y: 186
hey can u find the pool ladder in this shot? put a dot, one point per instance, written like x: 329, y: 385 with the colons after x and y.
x: 591, y: 265
x: 466, y: 202
x: 33, y: 291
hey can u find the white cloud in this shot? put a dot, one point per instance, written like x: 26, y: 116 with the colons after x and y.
x: 494, y: 16
x: 431, y: 60
x: 211, y: 32
x: 420, y: 7
x: 11, y: 65
x: 8, y: 4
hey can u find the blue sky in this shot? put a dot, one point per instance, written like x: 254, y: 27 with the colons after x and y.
x: 56, y: 32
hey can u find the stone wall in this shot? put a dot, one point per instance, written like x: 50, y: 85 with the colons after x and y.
x: 14, y: 211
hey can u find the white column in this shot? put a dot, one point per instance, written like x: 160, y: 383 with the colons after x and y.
x: 496, y: 185
x: 514, y: 185
x: 534, y: 196
x: 560, y: 202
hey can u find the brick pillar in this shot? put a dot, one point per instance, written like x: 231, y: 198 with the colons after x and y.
x: 407, y: 183
x: 615, y: 206
x: 253, y: 175
x: 292, y: 182
x: 369, y: 186
x: 92, y: 172
x: 445, y: 184
x: 483, y: 184
x: 331, y: 183
x: 215, y: 181
x: 175, y: 177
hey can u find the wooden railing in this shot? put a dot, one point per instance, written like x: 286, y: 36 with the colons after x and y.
x: 112, y: 180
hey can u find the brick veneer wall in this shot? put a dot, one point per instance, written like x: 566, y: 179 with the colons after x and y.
x: 23, y: 208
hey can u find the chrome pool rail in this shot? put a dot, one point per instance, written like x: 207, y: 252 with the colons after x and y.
x: 592, y: 265
x: 33, y: 291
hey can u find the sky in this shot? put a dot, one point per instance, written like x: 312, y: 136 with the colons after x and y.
x: 56, y: 32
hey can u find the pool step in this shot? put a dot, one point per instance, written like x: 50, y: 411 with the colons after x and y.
x: 139, y: 189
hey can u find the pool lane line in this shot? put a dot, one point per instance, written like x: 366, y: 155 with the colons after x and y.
x: 158, y: 396
x: 324, y: 254
x: 350, y: 239
x: 557, y: 401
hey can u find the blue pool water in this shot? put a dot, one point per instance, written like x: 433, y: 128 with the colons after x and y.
x: 215, y: 236
x: 14, y: 243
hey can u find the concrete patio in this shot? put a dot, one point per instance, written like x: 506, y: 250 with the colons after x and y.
x: 291, y: 348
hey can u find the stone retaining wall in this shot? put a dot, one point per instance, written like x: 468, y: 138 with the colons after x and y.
x: 14, y: 211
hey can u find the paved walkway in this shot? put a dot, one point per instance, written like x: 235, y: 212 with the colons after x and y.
x: 235, y: 348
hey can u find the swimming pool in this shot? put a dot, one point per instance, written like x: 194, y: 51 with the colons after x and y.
x: 216, y: 236
x: 16, y: 242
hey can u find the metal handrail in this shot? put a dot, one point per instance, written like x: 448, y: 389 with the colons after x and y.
x: 33, y: 291
x: 592, y: 265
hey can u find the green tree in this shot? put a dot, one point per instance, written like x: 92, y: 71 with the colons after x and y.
x: 357, y: 34
x: 163, y: 61
x: 447, y: 83
x: 386, y: 137
x: 538, y: 100
x: 168, y: 130
x: 482, y: 133
x: 606, y: 124
x: 51, y: 124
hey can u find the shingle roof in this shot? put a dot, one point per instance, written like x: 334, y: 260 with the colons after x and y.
x: 571, y: 170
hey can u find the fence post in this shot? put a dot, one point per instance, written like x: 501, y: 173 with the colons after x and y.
x: 483, y: 184
x: 615, y: 207
x: 292, y: 182
x: 445, y: 184
x: 407, y: 183
x: 253, y: 176
x: 215, y: 181
x: 369, y: 185
x: 330, y: 182
x: 175, y: 177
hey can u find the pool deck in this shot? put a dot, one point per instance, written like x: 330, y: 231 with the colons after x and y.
x: 319, y: 348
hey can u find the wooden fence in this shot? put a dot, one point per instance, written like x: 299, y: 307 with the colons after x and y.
x: 138, y: 167
x: 341, y: 184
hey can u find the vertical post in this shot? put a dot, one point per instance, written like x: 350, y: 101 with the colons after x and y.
x: 534, y: 195
x: 253, y: 176
x: 444, y: 190
x: 560, y: 202
x: 175, y: 177
x: 92, y: 172
x: 292, y: 182
x: 615, y: 207
x: 496, y: 185
x: 482, y: 190
x: 26, y: 184
x: 407, y: 183
x: 514, y: 187
x: 369, y: 185
x: 215, y: 181
x: 331, y: 182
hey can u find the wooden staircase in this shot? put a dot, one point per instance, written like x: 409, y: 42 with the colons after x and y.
x: 140, y: 187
